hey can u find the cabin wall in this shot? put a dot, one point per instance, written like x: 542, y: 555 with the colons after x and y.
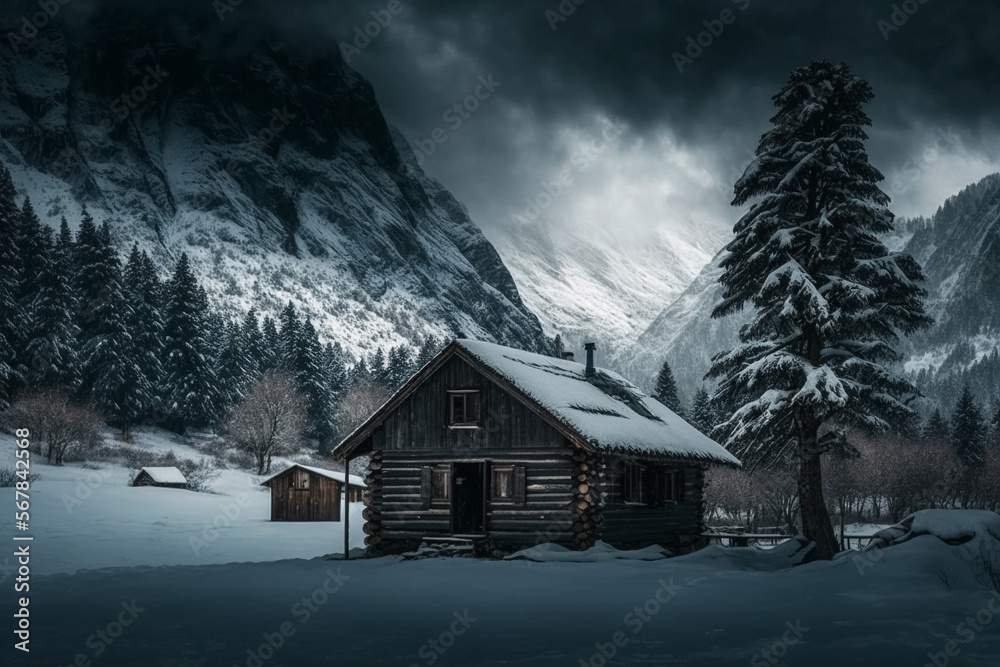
x: 421, y: 421
x: 545, y: 516
x: 677, y: 526
x: 320, y: 502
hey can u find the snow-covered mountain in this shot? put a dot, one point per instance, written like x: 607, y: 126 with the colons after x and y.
x: 959, y: 248
x: 960, y: 251
x: 273, y: 169
x: 598, y: 284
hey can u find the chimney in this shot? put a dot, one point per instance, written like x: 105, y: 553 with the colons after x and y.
x: 568, y: 356
x: 590, y: 347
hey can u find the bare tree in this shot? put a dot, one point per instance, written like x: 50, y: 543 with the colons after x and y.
x: 358, y: 404
x: 56, y: 423
x: 269, y: 421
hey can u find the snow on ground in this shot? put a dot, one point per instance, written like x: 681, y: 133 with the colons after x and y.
x: 716, y: 607
x: 158, y: 604
x: 83, y: 518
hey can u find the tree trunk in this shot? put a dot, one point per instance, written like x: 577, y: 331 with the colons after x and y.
x: 816, y: 524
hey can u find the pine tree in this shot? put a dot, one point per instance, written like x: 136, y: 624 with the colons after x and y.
x: 703, y: 415
x: 144, y: 322
x: 666, y: 389
x: 119, y: 387
x: 376, y: 366
x: 428, y: 350
x: 311, y: 378
x: 288, y: 338
x: 254, y: 346
x: 968, y: 430
x: 400, y: 367
x: 336, y: 371
x: 232, y: 368
x: 936, y: 427
x: 50, y: 358
x: 269, y: 332
x: 191, y: 389
x: 11, y: 311
x: 557, y: 347
x: 106, y: 344
x: 830, y: 300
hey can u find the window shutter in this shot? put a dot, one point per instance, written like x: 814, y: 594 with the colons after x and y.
x: 520, y: 485
x: 426, y: 475
x: 679, y: 482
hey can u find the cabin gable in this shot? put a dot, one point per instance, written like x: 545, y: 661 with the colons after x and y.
x: 459, y: 409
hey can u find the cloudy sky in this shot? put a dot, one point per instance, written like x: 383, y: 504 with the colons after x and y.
x: 681, y: 87
x: 681, y: 131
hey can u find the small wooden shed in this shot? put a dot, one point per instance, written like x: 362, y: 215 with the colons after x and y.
x: 168, y: 477
x: 305, y: 493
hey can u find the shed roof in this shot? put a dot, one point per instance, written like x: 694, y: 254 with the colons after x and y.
x: 323, y: 472
x: 166, y: 475
x: 606, y: 411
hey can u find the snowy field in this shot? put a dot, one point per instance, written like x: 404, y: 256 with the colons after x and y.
x: 83, y: 518
x: 156, y: 603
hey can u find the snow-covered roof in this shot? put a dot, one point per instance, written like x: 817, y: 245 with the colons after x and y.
x: 168, y: 475
x: 331, y: 474
x: 606, y: 410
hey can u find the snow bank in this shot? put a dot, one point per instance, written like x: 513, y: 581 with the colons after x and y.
x: 952, y: 527
x: 599, y: 553
x: 786, y: 555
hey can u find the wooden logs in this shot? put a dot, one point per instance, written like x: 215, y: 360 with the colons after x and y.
x: 588, y: 520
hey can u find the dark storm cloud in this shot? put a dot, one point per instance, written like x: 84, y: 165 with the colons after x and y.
x: 561, y: 63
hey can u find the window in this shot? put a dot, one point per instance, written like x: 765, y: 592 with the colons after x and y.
x: 503, y: 483
x: 300, y: 479
x: 463, y: 408
x: 507, y: 484
x: 435, y: 484
x: 440, y: 484
x: 652, y: 485
x: 633, y: 483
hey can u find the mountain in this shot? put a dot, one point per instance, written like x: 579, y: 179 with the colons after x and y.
x: 598, y: 284
x: 959, y: 248
x: 685, y: 335
x: 273, y: 168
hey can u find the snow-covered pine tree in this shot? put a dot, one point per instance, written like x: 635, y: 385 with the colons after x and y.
x: 400, y: 367
x: 11, y: 312
x: 558, y: 347
x: 968, y: 430
x: 95, y: 276
x: 105, y: 345
x: 288, y: 337
x: 311, y: 378
x: 50, y: 356
x: 336, y: 371
x: 118, y: 387
x: 666, y: 389
x: 428, y: 350
x: 232, y: 368
x: 272, y: 343
x: 702, y: 415
x: 376, y: 367
x: 830, y: 300
x: 145, y: 326
x: 191, y: 386
x: 253, y: 345
x: 936, y: 427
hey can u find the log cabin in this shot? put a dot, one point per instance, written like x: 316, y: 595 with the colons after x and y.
x: 166, y: 477
x: 510, y: 449
x: 305, y: 493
